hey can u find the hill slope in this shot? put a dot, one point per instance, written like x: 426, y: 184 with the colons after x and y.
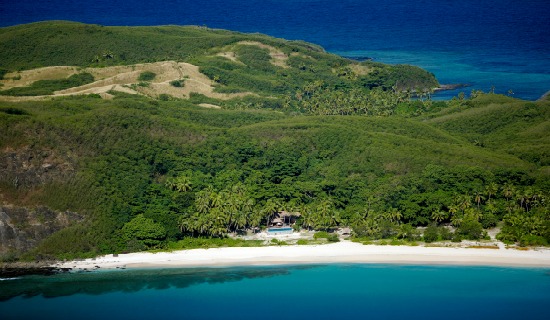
x: 500, y: 123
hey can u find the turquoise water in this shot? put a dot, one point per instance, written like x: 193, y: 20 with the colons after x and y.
x: 277, y: 230
x: 500, y: 43
x: 452, y: 68
x: 290, y: 292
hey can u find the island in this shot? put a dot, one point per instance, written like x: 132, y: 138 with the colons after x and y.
x: 190, y: 146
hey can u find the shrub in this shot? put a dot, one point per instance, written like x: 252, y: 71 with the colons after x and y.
x: 456, y: 237
x: 396, y: 242
x: 47, y: 87
x: 489, y: 221
x: 331, y: 237
x: 431, y: 234
x: 532, y: 240
x: 409, y: 232
x: 14, y: 111
x: 278, y: 242
x: 445, y: 233
x: 177, y: 83
x: 10, y: 256
x: 321, y: 235
x: 147, y: 76
x: 142, y: 232
x: 165, y: 97
x: 471, y: 230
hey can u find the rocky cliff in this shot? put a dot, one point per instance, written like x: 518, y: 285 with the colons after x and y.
x: 25, y: 218
x: 22, y: 229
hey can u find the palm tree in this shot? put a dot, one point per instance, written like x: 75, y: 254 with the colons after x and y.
x: 372, y: 227
x: 528, y: 195
x: 202, y: 201
x: 439, y: 216
x: 456, y: 220
x: 231, y: 207
x: 218, y: 199
x: 325, y: 212
x: 478, y: 197
x: 393, y: 215
x: 240, y: 220
x: 170, y: 183
x: 508, y: 190
x: 406, y: 231
x: 534, y: 224
x: 334, y: 219
x: 464, y: 202
x: 490, y: 207
x: 182, y: 184
x: 473, y: 214
x: 220, y: 219
x: 538, y: 198
x: 491, y: 189
x: 453, y: 210
x: 203, y: 223
x: 307, y: 217
x: 185, y: 224
x: 521, y: 197
x: 255, y: 219
x: 248, y: 205
x: 271, y: 207
x: 510, y: 206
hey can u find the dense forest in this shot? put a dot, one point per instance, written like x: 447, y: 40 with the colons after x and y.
x: 344, y: 143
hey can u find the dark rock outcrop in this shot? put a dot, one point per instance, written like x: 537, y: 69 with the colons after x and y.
x: 24, y: 172
x: 21, y: 229
x: 18, y: 269
x: 26, y: 167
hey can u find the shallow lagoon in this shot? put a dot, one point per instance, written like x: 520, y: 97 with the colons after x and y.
x: 292, y: 292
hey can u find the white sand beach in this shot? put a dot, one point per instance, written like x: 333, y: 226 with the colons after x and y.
x: 341, y: 252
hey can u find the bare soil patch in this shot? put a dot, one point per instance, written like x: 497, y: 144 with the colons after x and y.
x: 209, y: 106
x: 122, y: 79
x: 278, y: 58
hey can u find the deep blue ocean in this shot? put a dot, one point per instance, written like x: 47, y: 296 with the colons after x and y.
x: 485, y: 43
x: 298, y: 292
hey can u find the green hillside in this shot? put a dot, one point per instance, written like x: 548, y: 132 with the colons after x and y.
x: 503, y: 124
x: 340, y: 147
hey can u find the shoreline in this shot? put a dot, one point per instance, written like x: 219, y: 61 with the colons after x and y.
x: 544, y: 96
x: 342, y: 252
x: 450, y: 87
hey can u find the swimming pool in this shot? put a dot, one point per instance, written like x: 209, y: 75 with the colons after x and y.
x: 279, y: 230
